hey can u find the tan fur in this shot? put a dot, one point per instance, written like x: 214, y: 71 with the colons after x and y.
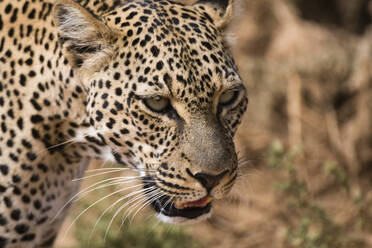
x: 84, y: 30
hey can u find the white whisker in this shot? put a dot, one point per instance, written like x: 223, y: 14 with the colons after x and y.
x: 103, y: 198
x: 169, y: 201
x: 241, y: 164
x: 148, y: 202
x: 76, y: 139
x: 119, y: 210
x: 113, y: 205
x: 73, y: 140
x: 115, y: 181
x: 102, y: 173
x: 152, y: 197
x: 120, y: 169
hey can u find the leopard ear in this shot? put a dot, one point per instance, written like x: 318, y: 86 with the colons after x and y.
x: 219, y: 10
x: 84, y: 38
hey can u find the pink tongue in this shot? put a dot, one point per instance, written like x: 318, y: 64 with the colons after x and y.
x: 197, y: 203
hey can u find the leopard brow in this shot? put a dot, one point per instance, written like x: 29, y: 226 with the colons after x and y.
x: 234, y: 85
x: 164, y: 92
x: 151, y: 95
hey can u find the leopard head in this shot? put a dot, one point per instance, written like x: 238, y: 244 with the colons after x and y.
x: 163, y: 94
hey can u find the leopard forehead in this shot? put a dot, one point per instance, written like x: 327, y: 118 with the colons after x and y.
x: 169, y: 49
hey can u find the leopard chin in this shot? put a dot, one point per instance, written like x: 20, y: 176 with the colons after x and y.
x: 182, y: 220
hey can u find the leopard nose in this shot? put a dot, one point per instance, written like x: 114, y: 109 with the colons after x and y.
x: 209, y: 181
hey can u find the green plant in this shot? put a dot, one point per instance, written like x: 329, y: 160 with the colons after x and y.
x: 149, y: 234
x: 310, y: 225
x: 338, y: 173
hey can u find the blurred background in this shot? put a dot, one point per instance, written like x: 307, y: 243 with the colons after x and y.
x: 305, y: 142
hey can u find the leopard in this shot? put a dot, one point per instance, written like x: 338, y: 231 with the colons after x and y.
x: 149, y: 85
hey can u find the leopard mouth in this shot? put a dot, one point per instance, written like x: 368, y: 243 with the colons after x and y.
x: 188, y: 210
x: 165, y: 206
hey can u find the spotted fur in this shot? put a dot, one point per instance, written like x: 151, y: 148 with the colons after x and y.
x: 75, y: 79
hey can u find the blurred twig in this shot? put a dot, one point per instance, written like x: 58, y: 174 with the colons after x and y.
x: 294, y: 109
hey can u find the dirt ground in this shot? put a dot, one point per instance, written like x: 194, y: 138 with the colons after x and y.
x: 306, y: 140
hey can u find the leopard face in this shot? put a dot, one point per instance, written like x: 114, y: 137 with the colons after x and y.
x: 163, y: 96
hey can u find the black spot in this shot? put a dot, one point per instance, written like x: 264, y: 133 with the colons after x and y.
x: 13, y: 157
x: 34, y: 178
x: 125, y: 24
x: 36, y: 119
x: 37, y: 204
x: 35, y: 133
x: 175, y: 21
x: 99, y: 115
x: 16, y: 179
x: 117, y: 76
x: 113, y: 140
x: 11, y: 32
x: 164, y: 166
x: 131, y: 15
x: 35, y: 105
x: 29, y: 61
x: 4, y: 169
x: 31, y: 15
x: 21, y: 228
x: 15, y: 214
x: 159, y: 65
x: 25, y: 6
x: 144, y: 18
x: 9, y: 143
x: 28, y: 237
x: 31, y: 73
x: 31, y: 156
x: 118, y: 91
x: 192, y: 40
x: 8, y: 8
x: 207, y: 45
x: 16, y: 190
x: 124, y: 131
x: 3, y: 221
x: 26, y: 199
x: 8, y: 202
x: 117, y: 20
x: 135, y: 41
x: 119, y: 106
x: 13, y: 18
x: 2, y: 189
x: 20, y: 123
x: 3, y: 241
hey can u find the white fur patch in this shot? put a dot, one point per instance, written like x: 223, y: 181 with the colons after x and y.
x: 107, y: 154
x: 82, y: 133
x: 182, y: 220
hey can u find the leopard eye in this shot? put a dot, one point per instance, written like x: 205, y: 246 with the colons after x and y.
x: 228, y: 97
x: 157, y: 104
